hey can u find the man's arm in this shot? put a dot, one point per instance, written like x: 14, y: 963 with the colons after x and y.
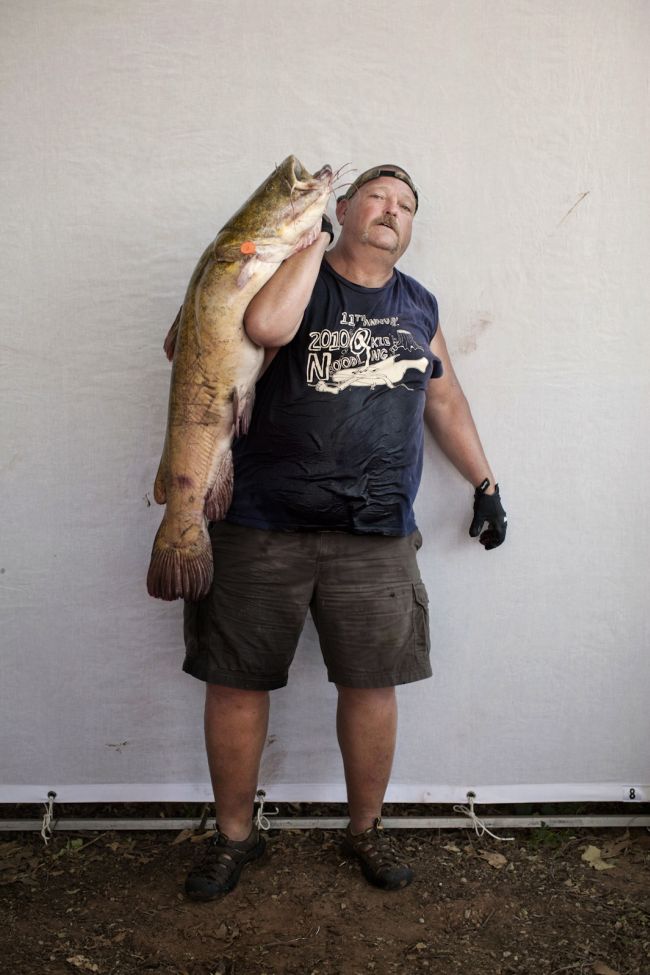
x: 449, y: 418
x: 275, y: 313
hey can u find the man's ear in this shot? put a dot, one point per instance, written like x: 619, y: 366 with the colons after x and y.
x: 341, y: 207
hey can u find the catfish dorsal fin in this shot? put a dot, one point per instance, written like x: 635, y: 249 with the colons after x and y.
x: 169, y: 345
x: 160, y: 485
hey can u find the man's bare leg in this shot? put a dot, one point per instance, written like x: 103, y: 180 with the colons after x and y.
x: 366, y: 723
x: 367, y: 729
x: 236, y: 723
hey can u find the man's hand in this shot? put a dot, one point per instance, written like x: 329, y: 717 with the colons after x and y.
x: 488, y: 507
x: 324, y: 226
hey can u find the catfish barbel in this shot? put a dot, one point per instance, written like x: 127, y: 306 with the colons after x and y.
x: 215, y: 367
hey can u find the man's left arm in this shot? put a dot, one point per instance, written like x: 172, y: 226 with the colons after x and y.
x: 449, y: 418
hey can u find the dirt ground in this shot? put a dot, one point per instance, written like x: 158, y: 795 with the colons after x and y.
x: 112, y: 904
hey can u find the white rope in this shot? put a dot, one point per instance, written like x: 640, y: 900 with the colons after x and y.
x: 48, y: 816
x: 262, y: 821
x: 479, y: 827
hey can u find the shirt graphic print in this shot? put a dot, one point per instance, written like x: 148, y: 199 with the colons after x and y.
x: 354, y: 356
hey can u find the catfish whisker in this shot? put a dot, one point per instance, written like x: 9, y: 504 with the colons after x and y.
x: 345, y: 170
x: 339, y: 171
x: 342, y: 185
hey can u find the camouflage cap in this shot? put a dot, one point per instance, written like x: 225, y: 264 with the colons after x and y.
x: 387, y: 170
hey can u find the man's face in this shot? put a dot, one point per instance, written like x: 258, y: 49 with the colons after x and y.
x: 380, y: 214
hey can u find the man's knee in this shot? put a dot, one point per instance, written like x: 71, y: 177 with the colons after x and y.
x: 219, y: 695
x: 374, y: 696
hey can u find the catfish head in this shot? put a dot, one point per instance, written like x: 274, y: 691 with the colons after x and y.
x: 277, y: 216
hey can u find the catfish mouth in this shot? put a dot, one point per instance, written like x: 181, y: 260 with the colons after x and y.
x: 306, y: 191
x: 303, y: 180
x: 324, y: 173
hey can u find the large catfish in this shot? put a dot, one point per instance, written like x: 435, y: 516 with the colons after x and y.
x: 215, y: 369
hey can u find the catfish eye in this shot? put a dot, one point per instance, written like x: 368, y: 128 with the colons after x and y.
x: 298, y: 171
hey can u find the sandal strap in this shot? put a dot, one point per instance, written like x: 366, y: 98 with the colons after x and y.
x: 223, y: 861
x: 381, y: 862
x: 225, y: 855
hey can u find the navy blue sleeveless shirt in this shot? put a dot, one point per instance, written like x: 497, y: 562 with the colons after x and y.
x: 336, y: 436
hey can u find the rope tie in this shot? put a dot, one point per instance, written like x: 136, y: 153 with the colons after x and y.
x: 48, y: 816
x: 262, y: 821
x: 479, y: 826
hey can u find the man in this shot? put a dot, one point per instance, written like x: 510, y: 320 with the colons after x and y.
x: 322, y: 518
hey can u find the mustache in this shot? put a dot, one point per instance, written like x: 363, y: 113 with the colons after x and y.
x: 387, y: 221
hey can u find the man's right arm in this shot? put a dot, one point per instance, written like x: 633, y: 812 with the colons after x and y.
x: 275, y: 313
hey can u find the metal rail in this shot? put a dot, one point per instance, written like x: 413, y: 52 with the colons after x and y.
x: 68, y: 825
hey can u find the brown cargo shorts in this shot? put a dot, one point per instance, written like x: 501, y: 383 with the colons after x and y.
x: 365, y: 594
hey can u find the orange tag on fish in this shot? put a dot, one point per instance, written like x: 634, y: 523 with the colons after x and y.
x: 248, y: 247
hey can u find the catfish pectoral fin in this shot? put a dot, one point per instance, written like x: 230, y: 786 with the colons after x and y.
x: 242, y: 410
x: 218, y: 498
x: 247, y: 271
x: 180, y: 572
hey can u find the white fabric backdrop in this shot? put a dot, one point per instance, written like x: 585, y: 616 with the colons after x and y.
x: 131, y: 132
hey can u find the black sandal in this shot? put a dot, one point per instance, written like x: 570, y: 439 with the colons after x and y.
x: 380, y: 863
x: 218, y: 873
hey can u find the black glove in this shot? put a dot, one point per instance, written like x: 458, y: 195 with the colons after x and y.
x: 488, y: 507
x: 327, y: 228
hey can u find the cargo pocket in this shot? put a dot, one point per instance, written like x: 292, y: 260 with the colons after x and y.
x: 421, y: 618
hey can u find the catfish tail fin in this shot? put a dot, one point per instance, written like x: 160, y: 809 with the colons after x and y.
x: 181, y: 571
